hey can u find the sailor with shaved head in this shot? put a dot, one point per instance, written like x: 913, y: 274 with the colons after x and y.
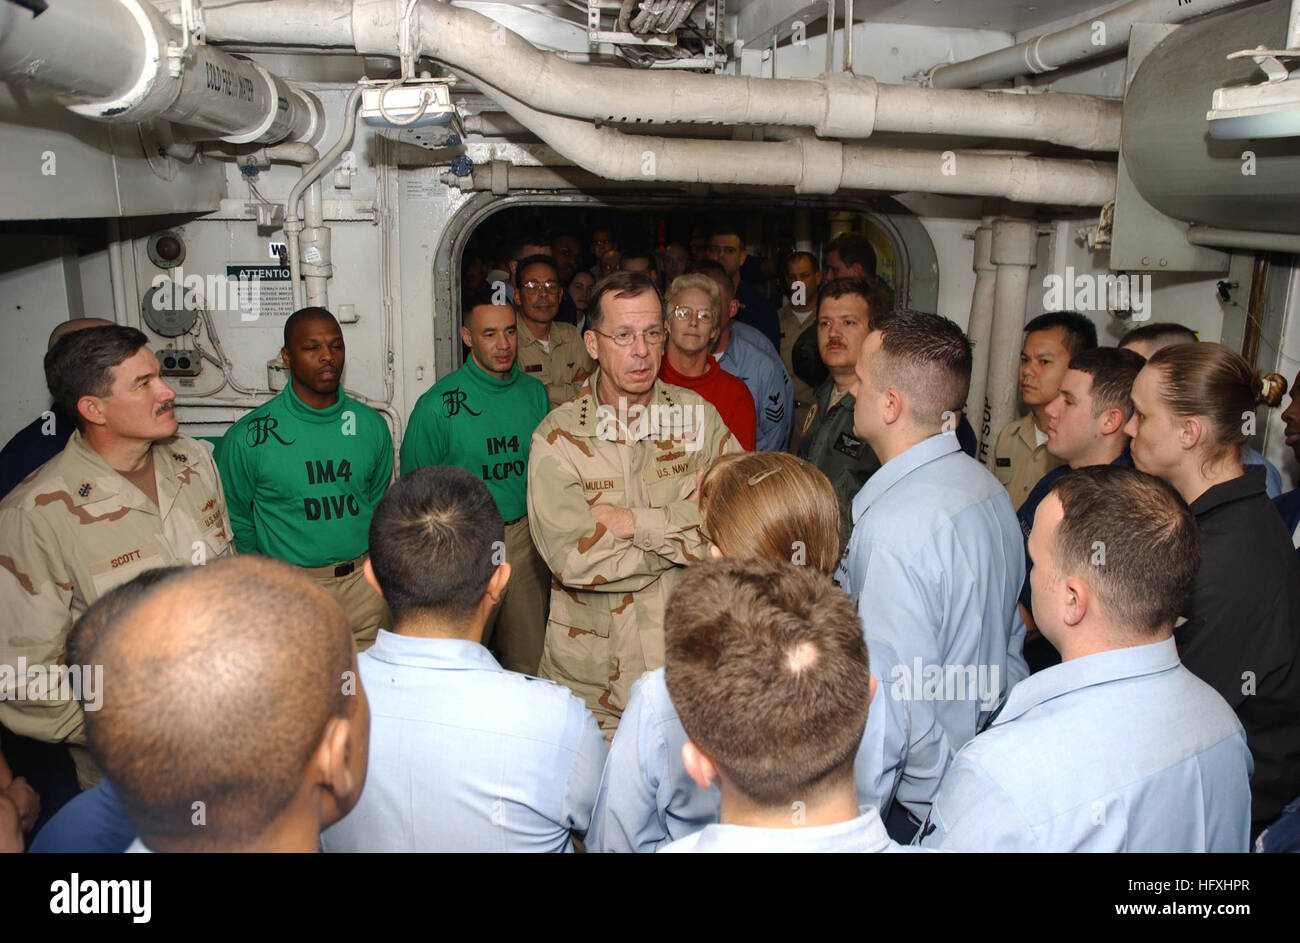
x: 304, y: 471
x: 127, y: 494
x: 233, y: 717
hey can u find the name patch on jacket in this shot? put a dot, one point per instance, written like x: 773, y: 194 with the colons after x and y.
x: 848, y: 445
x: 532, y: 368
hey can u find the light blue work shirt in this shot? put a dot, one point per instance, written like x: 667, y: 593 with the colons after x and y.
x: 866, y: 834
x: 936, y: 562
x: 1272, y: 477
x: 1124, y: 750
x: 749, y: 355
x: 646, y: 798
x: 466, y: 756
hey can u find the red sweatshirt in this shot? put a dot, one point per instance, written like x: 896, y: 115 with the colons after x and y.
x: 728, y: 394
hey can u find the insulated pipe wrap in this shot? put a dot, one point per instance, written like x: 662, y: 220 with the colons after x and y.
x: 851, y: 103
x: 823, y: 165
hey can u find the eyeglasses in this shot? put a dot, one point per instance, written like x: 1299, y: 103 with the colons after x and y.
x: 534, y: 286
x: 653, y: 336
x: 683, y: 313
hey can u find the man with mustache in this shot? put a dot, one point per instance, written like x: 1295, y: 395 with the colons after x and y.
x: 304, y: 471
x: 127, y: 494
x: 826, y: 438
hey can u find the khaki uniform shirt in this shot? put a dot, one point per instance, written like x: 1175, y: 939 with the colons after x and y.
x: 804, y: 394
x: 608, y: 594
x: 557, y: 367
x: 76, y: 529
x: 1019, y: 461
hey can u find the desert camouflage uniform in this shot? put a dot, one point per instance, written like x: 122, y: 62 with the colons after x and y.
x: 556, y: 367
x: 76, y: 529
x: 607, y: 594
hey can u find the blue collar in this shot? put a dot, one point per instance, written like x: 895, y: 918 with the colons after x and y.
x: 902, y: 465
x: 417, y: 652
x: 1101, y: 668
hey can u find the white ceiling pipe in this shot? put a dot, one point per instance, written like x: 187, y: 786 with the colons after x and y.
x: 311, y: 22
x: 108, y: 60
x: 1014, y: 249
x: 835, y: 105
x: 980, y: 331
x: 501, y: 177
x: 1080, y: 121
x: 1023, y: 179
x: 810, y: 165
x: 1099, y: 36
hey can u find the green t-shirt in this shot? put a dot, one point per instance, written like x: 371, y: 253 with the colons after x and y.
x: 472, y: 420
x: 301, y: 483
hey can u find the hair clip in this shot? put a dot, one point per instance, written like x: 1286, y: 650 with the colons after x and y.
x: 755, y: 479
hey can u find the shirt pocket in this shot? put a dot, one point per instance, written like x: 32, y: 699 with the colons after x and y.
x: 579, y: 613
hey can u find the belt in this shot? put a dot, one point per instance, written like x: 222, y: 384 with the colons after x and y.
x: 338, y: 569
x: 521, y: 517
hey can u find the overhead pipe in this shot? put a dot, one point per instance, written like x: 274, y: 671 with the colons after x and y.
x: 810, y: 165
x: 120, y: 60
x: 830, y: 36
x: 848, y: 36
x: 1013, y: 249
x: 1102, y: 35
x: 1242, y: 239
x: 980, y: 331
x: 500, y: 177
x: 834, y: 105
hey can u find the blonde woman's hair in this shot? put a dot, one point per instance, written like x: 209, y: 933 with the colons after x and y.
x: 702, y: 283
x: 771, y: 505
x: 1217, y: 384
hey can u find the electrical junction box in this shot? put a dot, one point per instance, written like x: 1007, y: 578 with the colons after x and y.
x: 179, y: 362
x: 419, y: 110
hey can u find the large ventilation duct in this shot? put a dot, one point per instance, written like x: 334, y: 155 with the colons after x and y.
x: 1173, y: 161
x: 810, y: 165
x: 120, y: 60
x: 835, y: 105
x: 1105, y: 34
